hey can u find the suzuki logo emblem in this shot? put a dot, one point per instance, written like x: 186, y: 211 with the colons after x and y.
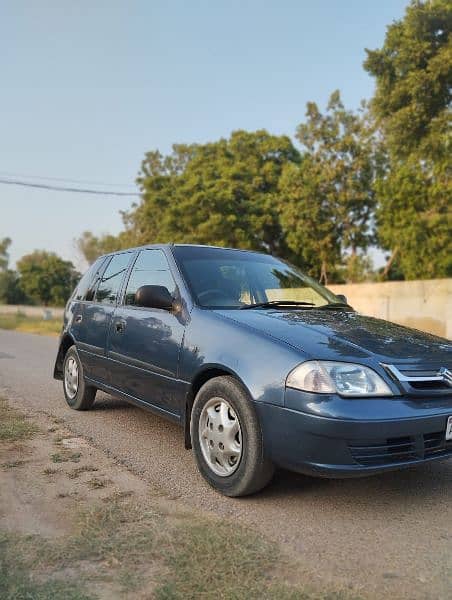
x: 446, y: 375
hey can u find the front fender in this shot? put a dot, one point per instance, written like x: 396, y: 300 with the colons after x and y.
x: 259, y: 362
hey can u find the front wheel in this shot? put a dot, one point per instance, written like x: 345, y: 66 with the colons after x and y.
x: 78, y: 395
x: 227, y: 439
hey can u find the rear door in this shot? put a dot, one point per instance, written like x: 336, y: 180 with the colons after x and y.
x: 145, y: 342
x: 91, y: 323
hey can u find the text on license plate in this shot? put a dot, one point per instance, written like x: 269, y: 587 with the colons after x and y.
x: 449, y: 428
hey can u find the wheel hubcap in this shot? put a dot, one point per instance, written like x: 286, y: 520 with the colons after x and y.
x: 71, y: 377
x: 220, y: 437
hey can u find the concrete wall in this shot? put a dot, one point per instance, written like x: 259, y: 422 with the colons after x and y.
x: 32, y: 311
x: 425, y: 305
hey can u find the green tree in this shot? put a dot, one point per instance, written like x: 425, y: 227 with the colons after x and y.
x: 412, y: 106
x: 328, y: 199
x: 10, y: 288
x: 46, y: 278
x: 223, y: 193
x: 91, y: 246
x: 4, y: 256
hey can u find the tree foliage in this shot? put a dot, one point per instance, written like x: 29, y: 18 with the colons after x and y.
x: 328, y: 199
x: 255, y: 190
x: 10, y: 290
x: 412, y: 105
x: 46, y: 278
x: 91, y: 246
x: 224, y: 193
x: 4, y: 256
x: 413, y: 72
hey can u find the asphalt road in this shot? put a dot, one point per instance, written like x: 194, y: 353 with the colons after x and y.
x: 384, y: 536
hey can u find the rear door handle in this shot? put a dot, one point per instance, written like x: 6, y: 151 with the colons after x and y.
x: 120, y: 326
x: 79, y: 318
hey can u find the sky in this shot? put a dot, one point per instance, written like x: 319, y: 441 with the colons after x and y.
x: 88, y: 87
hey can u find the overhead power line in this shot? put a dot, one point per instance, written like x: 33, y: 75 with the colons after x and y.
x: 57, y: 188
x: 21, y: 176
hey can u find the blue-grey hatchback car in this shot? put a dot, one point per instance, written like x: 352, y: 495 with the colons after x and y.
x: 261, y: 365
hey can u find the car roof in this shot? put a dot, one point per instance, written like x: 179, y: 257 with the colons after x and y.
x: 172, y: 245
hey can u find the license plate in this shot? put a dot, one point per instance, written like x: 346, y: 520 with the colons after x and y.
x: 449, y: 429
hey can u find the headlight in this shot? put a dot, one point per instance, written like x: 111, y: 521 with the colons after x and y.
x: 328, y: 377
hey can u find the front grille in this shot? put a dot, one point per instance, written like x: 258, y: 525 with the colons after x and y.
x: 400, y: 450
x: 429, y: 385
x: 416, y: 379
x: 413, y: 372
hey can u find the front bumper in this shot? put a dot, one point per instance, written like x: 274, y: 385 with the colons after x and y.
x: 342, y: 446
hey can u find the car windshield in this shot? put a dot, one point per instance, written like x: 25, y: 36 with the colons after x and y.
x: 235, y: 279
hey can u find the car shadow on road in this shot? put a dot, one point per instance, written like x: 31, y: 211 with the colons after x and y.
x: 416, y: 484
x: 104, y: 402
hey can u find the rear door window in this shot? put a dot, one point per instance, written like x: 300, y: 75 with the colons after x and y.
x: 88, y: 279
x: 110, y: 284
x: 150, y: 268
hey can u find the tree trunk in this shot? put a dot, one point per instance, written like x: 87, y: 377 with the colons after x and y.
x: 389, y: 263
x: 323, y: 273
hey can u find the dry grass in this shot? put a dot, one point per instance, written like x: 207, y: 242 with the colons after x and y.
x: 13, y: 464
x: 16, y: 577
x: 65, y: 456
x: 97, y: 483
x: 14, y: 427
x: 83, y: 469
x: 142, y: 550
x: 51, y: 471
x: 216, y: 559
x: 20, y: 322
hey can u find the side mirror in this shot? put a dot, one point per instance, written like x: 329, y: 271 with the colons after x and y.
x: 342, y: 298
x: 154, y: 296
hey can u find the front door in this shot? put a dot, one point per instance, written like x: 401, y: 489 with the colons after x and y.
x: 144, y: 343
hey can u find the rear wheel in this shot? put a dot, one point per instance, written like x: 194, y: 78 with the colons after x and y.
x: 78, y: 395
x: 227, y: 439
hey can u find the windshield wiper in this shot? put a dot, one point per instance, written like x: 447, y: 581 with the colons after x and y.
x: 276, y: 303
x: 334, y: 305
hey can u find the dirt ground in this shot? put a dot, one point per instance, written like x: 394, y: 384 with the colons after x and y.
x: 86, y: 527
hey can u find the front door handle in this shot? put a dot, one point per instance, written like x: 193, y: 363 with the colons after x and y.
x: 120, y: 326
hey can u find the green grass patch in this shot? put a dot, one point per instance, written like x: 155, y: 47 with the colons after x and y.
x: 59, y: 457
x: 13, y: 464
x: 65, y: 456
x: 20, y: 322
x: 119, y: 533
x: 17, y: 580
x: 14, y: 426
x: 158, y: 556
x: 215, y: 559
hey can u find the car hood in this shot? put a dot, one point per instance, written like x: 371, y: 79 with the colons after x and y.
x: 344, y: 335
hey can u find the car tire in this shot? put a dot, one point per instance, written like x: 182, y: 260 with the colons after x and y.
x: 227, y: 439
x: 78, y: 395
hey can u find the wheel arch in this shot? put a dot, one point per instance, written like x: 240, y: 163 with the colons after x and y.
x: 206, y: 374
x: 65, y: 343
